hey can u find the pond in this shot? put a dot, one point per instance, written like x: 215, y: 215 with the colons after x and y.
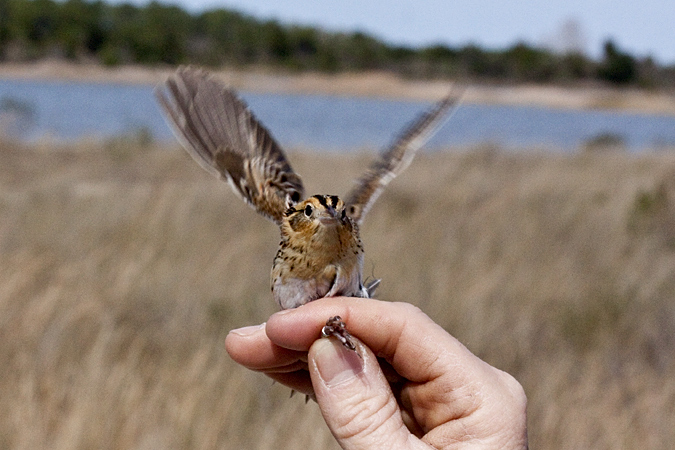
x: 67, y: 111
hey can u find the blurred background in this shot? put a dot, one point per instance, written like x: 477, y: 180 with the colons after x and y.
x: 538, y: 226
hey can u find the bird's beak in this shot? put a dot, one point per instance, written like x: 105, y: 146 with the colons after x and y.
x: 329, y: 216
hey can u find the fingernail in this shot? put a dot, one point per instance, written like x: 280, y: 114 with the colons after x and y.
x: 248, y: 331
x: 335, y: 363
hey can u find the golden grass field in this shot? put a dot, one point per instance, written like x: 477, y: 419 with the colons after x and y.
x: 124, y: 266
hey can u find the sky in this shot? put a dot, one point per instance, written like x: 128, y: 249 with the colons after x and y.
x: 639, y: 27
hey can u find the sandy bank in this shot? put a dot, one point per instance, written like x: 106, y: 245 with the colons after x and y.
x: 372, y: 84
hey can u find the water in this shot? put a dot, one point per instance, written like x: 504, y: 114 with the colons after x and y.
x: 66, y: 111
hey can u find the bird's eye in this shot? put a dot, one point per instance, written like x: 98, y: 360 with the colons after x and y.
x: 308, y: 210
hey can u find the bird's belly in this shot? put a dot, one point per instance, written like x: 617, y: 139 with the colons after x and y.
x: 290, y: 292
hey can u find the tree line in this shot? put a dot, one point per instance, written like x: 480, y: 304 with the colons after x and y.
x: 115, y: 34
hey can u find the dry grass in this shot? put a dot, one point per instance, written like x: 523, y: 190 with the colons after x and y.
x: 124, y: 267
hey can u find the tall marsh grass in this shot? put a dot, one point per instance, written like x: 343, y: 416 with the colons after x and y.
x: 123, y: 268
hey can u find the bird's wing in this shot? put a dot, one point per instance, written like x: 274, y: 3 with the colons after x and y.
x: 396, y: 158
x: 219, y: 131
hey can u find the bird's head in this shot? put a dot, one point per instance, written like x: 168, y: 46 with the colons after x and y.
x: 317, y: 213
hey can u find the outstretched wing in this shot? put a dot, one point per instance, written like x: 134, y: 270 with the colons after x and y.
x: 219, y: 131
x: 397, y: 157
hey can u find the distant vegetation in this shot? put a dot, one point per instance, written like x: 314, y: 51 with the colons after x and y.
x: 163, y: 34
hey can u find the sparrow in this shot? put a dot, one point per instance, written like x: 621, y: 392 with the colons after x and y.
x: 320, y: 253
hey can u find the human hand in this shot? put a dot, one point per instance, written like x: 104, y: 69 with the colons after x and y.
x: 436, y: 393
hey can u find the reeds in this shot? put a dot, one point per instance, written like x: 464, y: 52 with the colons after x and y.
x: 123, y: 267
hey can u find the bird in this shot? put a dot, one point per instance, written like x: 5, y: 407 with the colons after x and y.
x: 320, y: 253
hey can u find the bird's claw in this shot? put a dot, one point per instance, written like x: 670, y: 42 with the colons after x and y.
x: 336, y: 327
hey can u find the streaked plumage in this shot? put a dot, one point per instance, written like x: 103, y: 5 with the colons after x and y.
x: 320, y: 253
x: 222, y: 135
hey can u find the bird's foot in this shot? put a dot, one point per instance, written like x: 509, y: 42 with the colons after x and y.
x: 336, y: 327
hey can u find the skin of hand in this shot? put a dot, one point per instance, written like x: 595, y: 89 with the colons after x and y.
x: 410, y: 386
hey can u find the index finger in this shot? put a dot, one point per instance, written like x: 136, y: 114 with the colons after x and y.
x: 417, y: 347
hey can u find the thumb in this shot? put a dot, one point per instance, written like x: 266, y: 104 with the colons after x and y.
x: 355, y: 398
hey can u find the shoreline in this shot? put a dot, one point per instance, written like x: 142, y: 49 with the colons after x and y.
x: 369, y: 84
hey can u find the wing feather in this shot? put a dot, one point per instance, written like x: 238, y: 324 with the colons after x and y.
x: 219, y: 131
x: 396, y: 158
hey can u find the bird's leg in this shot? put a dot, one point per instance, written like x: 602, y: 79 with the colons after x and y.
x: 336, y: 327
